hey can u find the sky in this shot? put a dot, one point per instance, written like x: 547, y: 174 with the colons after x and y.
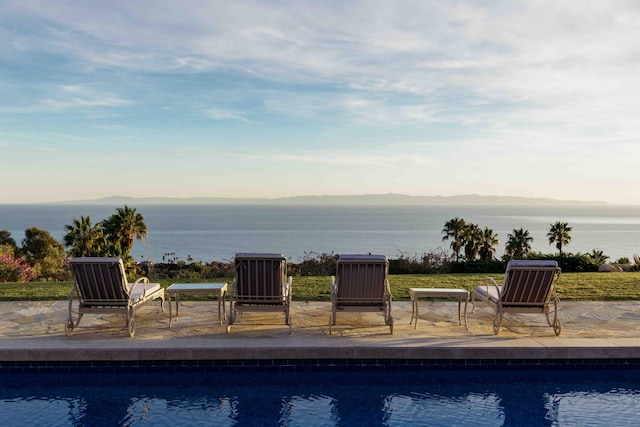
x: 271, y: 99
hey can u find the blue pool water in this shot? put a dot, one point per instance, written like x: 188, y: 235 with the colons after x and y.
x: 325, y: 398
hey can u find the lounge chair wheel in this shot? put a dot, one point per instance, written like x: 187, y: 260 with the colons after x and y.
x: 68, y: 328
x: 131, y: 325
x: 496, y: 326
x: 557, y: 328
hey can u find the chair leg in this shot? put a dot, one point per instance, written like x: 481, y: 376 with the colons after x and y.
x: 70, y: 325
x: 497, y: 321
x: 557, y: 327
x: 131, y: 323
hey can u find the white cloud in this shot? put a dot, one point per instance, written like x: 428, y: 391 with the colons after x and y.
x: 472, y: 83
x: 221, y: 114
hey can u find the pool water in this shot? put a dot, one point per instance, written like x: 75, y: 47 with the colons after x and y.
x: 324, y: 398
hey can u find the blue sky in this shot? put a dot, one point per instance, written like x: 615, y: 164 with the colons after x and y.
x: 270, y: 99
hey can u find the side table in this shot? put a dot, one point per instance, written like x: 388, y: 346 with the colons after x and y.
x: 416, y: 293
x: 218, y: 289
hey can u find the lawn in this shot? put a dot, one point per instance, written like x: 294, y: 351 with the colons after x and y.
x: 572, y: 286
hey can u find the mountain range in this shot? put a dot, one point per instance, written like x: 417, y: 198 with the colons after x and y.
x: 356, y: 199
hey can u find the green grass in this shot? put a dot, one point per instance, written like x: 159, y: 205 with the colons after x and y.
x: 572, y: 286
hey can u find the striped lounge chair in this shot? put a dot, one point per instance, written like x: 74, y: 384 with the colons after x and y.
x: 260, y: 284
x: 100, y: 286
x: 361, y: 283
x: 529, y: 286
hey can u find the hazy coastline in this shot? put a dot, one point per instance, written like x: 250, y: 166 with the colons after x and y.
x: 355, y: 199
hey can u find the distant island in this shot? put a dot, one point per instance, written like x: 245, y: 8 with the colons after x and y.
x: 356, y: 199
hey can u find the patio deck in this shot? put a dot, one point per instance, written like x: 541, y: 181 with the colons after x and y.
x: 34, y: 332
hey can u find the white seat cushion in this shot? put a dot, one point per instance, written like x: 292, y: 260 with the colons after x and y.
x: 138, y: 291
x: 488, y: 292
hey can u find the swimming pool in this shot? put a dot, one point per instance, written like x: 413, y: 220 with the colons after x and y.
x: 490, y: 397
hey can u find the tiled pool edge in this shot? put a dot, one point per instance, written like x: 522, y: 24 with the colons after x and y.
x: 171, y: 352
x: 303, y: 365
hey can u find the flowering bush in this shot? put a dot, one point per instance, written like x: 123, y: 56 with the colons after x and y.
x: 14, y: 269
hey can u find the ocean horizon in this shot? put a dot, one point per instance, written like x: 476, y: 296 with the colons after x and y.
x: 216, y: 232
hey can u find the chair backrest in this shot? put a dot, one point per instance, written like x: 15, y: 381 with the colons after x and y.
x: 100, y: 280
x: 361, y: 278
x: 529, y: 282
x: 260, y: 278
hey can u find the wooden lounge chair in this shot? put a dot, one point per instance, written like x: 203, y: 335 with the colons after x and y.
x: 529, y: 286
x: 100, y: 285
x: 260, y: 284
x: 361, y: 284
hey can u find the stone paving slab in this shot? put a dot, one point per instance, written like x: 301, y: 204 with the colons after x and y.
x: 34, y: 331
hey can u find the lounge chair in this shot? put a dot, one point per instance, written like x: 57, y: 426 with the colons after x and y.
x: 100, y: 286
x: 361, y: 284
x: 528, y: 287
x: 260, y: 284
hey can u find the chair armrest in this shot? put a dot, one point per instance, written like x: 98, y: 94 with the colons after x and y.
x: 488, y: 281
x: 286, y: 287
x: 144, y: 280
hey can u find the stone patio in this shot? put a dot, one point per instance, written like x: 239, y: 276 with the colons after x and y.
x: 34, y: 331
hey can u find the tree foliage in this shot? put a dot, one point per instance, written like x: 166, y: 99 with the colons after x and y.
x: 488, y: 243
x: 7, y: 241
x: 518, y: 244
x: 45, y: 255
x: 122, y: 228
x: 559, y: 234
x: 83, y: 238
x: 454, y: 230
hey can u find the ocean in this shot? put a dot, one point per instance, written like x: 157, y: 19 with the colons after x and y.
x: 216, y: 232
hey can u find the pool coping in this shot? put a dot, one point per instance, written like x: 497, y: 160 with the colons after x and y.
x: 64, y: 349
x: 32, y: 332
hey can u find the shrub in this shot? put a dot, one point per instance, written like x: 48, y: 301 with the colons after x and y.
x: 478, y: 266
x: 14, y: 269
x: 314, y: 264
x: 435, y: 261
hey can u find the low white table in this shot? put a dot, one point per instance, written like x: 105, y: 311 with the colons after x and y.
x: 218, y: 289
x: 416, y: 293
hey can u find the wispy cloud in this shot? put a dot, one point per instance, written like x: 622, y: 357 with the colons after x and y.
x: 72, y: 102
x: 221, y: 114
x: 468, y: 82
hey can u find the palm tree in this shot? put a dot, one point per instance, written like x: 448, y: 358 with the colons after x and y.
x: 488, y: 244
x: 453, y: 229
x: 597, y: 257
x: 122, y: 228
x: 472, y: 236
x: 559, y: 234
x: 82, y: 238
x: 518, y: 244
